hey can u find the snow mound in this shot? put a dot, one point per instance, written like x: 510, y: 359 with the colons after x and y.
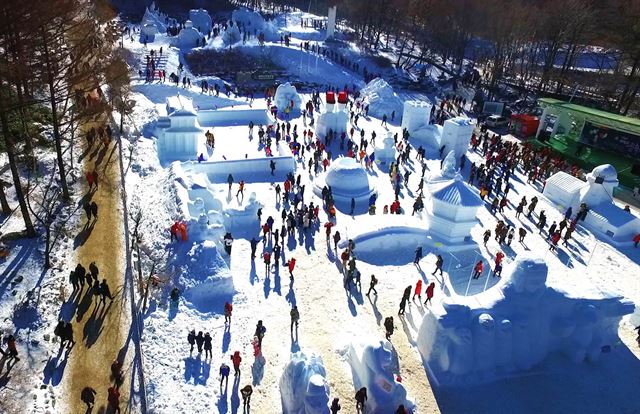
x: 231, y: 36
x: 189, y: 37
x: 202, y: 275
x: 381, y: 98
x: 254, y: 21
x: 303, y: 385
x: 515, y: 325
x: 372, y: 364
x: 287, y: 96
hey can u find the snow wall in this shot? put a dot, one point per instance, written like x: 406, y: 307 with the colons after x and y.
x: 250, y: 170
x: 382, y: 99
x: 372, y: 366
x: 303, y: 385
x: 515, y: 325
x: 219, y: 118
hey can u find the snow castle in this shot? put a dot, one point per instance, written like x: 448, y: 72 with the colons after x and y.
x: 452, y: 206
x: 605, y: 218
x: 178, y: 132
x: 515, y: 325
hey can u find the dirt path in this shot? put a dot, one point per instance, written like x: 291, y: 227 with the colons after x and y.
x: 100, y: 330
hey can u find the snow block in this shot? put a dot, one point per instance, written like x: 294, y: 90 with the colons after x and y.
x: 371, y: 366
x: 303, y: 385
x: 456, y: 135
x: 515, y: 325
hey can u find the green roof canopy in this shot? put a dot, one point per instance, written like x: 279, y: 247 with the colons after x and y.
x: 602, y: 117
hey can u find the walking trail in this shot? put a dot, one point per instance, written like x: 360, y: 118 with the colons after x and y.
x: 100, y: 330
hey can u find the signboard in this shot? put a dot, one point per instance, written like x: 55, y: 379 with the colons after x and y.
x: 609, y: 139
x: 263, y: 76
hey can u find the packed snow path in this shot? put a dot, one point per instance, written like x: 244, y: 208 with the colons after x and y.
x: 100, y: 330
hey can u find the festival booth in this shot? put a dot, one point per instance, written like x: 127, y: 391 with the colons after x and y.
x: 523, y: 125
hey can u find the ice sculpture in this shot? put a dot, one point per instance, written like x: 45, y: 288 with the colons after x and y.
x: 303, y: 385
x: 515, y: 325
x: 371, y: 367
x: 189, y: 37
x: 386, y: 154
x: 287, y: 96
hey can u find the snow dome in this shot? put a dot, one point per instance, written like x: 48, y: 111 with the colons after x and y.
x: 201, y: 20
x: 347, y: 179
x: 382, y: 99
x: 515, y: 325
x: 286, y: 93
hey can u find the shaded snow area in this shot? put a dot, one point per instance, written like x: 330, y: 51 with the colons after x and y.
x: 545, y: 337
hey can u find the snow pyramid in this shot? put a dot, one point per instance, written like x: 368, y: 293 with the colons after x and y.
x: 382, y: 99
x: 253, y: 20
x: 303, y: 385
x: 347, y: 179
x: 515, y: 325
x: 286, y: 94
x: 372, y: 367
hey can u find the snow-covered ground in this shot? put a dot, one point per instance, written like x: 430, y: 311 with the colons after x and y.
x: 331, y: 318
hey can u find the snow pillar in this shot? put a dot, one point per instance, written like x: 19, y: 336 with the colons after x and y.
x: 331, y: 21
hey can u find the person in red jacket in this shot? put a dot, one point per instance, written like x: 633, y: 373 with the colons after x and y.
x: 113, y: 398
x: 292, y: 264
x: 429, y: 291
x: 236, y: 359
x: 636, y: 240
x: 555, y: 238
x: 266, y: 256
x: 499, y: 257
x: 327, y: 227
x: 228, y: 308
x: 265, y: 231
x: 477, y: 270
x: 418, y: 291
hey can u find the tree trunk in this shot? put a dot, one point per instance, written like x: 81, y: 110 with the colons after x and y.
x: 47, y: 247
x: 10, y: 148
x: 6, y: 209
x: 54, y: 119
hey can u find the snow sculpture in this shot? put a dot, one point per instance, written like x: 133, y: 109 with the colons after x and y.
x: 415, y: 119
x: 253, y: 21
x: 452, y: 206
x: 232, y: 35
x: 515, y: 325
x: 179, y: 133
x: 189, y: 37
x: 287, y: 96
x: 381, y: 98
x: 335, y: 118
x: 153, y: 17
x: 303, y: 385
x: 386, y: 154
x: 148, y: 32
x: 347, y: 179
x: 239, y: 218
x: 201, y: 20
x: 371, y: 366
x: 331, y: 21
x: 604, y: 218
x: 456, y: 135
